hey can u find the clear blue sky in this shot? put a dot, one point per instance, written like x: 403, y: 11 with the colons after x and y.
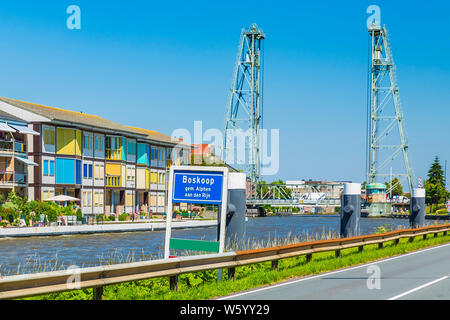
x: 161, y: 65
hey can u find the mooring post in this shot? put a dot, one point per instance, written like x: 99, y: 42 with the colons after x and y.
x: 350, y: 211
x: 417, y: 208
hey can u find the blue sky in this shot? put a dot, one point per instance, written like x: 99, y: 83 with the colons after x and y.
x: 162, y: 65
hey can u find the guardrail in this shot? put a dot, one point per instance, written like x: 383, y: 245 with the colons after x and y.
x: 26, y: 285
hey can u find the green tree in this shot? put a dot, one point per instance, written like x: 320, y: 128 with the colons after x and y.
x: 397, y: 189
x: 435, y: 186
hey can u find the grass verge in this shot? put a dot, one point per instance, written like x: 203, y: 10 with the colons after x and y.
x: 203, y: 285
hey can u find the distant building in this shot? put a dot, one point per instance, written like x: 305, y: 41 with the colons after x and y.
x: 300, y: 188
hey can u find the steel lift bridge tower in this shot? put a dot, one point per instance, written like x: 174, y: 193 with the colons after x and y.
x: 245, y: 107
x: 386, y: 138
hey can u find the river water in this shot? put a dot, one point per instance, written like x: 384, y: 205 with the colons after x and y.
x: 37, y: 254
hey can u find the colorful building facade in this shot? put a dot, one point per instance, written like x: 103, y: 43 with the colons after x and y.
x: 111, y: 168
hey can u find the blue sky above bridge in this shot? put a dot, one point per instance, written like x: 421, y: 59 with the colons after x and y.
x: 162, y: 65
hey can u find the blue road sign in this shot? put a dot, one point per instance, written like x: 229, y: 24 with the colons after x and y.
x: 197, y: 186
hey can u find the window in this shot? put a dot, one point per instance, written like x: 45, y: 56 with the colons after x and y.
x: 131, y: 147
x: 49, y: 136
x: 87, y: 171
x: 98, y: 199
x: 49, y: 168
x: 98, y: 143
x: 130, y: 174
x: 88, y: 142
x: 47, y: 194
x: 87, y: 198
x: 52, y: 167
x: 45, y: 167
x: 99, y: 172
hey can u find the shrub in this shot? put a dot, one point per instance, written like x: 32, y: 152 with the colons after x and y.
x: 441, y: 211
x: 123, y: 217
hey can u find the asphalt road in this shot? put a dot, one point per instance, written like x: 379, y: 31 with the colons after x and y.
x: 423, y: 275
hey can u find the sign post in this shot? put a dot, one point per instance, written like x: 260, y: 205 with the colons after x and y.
x: 197, y: 184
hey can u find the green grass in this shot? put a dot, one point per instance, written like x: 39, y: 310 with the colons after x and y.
x: 203, y: 285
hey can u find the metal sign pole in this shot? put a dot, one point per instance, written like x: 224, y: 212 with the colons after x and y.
x: 175, y: 195
x: 169, y: 216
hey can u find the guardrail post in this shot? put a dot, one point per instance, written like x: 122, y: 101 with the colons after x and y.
x: 435, y: 234
x: 396, y: 241
x: 424, y: 237
x: 350, y: 210
x: 417, y: 208
x: 411, y: 239
x: 308, y: 257
x: 98, y: 293
x: 275, y: 265
x: 380, y: 245
x: 445, y: 233
x: 337, y: 253
x: 360, y: 248
x: 232, y: 273
x: 174, y: 283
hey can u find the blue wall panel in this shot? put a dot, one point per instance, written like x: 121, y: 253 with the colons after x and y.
x: 65, y: 171
x: 142, y: 153
x: 78, y: 171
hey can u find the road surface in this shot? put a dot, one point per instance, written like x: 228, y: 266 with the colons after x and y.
x: 420, y: 275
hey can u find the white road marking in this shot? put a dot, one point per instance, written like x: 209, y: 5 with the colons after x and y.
x: 331, y: 272
x: 417, y: 289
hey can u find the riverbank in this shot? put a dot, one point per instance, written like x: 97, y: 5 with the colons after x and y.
x: 102, y: 228
x: 204, y: 285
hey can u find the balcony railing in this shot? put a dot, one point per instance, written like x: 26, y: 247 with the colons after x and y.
x: 20, y: 178
x: 6, y: 177
x: 114, y: 154
x: 112, y: 181
x: 9, y: 146
x: 9, y: 177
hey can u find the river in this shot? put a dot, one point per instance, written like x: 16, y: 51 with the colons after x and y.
x: 36, y: 254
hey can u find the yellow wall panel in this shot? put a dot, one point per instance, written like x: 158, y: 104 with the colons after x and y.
x: 113, y: 169
x: 65, y: 141
x: 78, y: 143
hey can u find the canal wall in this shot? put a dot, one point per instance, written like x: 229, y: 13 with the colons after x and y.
x: 100, y: 228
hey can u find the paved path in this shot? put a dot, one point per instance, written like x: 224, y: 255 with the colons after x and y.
x: 423, y: 275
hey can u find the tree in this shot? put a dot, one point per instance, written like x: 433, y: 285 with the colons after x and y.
x: 435, y: 186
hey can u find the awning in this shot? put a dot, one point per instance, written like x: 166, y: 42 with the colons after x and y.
x: 62, y: 198
x: 4, y: 127
x: 24, y: 130
x: 25, y: 160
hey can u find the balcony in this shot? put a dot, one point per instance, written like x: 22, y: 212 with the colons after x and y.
x: 11, y: 177
x: 10, y: 146
x: 113, y: 154
x: 112, y: 181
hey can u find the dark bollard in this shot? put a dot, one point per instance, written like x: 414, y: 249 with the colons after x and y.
x: 350, y: 210
x: 417, y: 208
x: 235, y: 222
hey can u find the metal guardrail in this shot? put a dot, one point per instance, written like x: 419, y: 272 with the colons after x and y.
x: 26, y: 285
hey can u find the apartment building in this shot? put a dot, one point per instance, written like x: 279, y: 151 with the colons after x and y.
x: 111, y: 168
x: 14, y: 160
